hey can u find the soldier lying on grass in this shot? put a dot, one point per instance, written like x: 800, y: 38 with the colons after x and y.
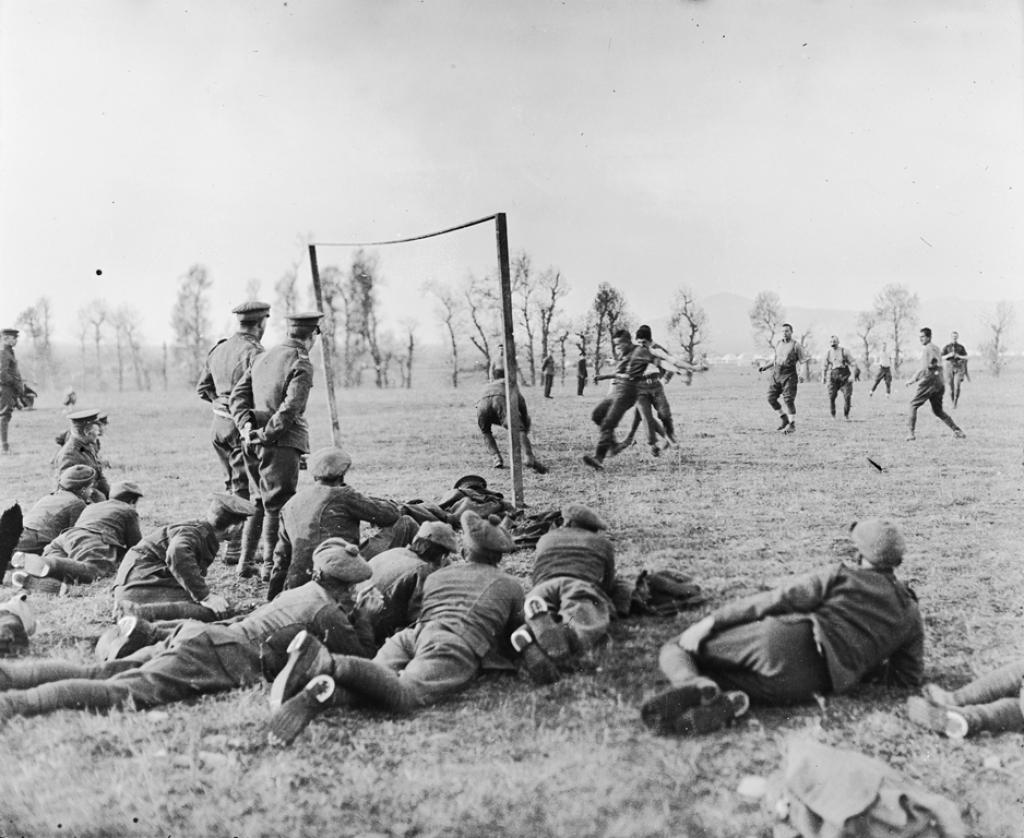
x: 89, y: 550
x: 469, y: 610
x: 201, y: 658
x: 821, y: 633
x: 57, y: 511
x: 569, y: 608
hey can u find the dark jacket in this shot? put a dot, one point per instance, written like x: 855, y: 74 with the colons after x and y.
x: 272, y: 395
x: 577, y: 553
x: 174, y: 556
x: 226, y: 363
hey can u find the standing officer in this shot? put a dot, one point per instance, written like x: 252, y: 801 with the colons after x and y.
x: 12, y: 388
x: 930, y: 388
x: 884, y: 361
x: 229, y: 359
x: 581, y: 374
x: 838, y: 374
x: 268, y: 405
x: 788, y: 353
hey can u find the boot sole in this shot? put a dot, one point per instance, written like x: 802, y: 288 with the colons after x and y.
x: 302, y: 651
x: 661, y: 712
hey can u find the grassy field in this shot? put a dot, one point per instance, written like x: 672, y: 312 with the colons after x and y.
x: 736, y: 505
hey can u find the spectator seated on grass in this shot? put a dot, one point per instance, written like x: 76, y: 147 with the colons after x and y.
x: 163, y: 577
x: 399, y: 575
x: 821, y: 633
x: 469, y: 610
x: 199, y: 658
x: 993, y: 703
x: 569, y: 608
x: 328, y: 509
x: 57, y: 511
x: 92, y: 548
x: 81, y: 448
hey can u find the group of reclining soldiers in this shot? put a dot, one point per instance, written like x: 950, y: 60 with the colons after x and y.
x: 399, y: 624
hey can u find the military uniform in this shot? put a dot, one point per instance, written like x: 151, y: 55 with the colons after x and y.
x: 105, y: 531
x: 930, y: 389
x: 318, y: 512
x: 197, y: 659
x: 227, y: 362
x: 547, y: 370
x: 48, y: 518
x: 12, y: 388
x: 574, y: 573
x: 271, y: 399
x: 169, y: 566
x: 399, y: 575
x: 80, y: 451
x: 629, y: 370
x: 581, y: 376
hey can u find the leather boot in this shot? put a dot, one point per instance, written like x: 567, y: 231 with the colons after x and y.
x: 268, y: 541
x: 154, y: 611
x: 233, y: 549
x: 249, y: 543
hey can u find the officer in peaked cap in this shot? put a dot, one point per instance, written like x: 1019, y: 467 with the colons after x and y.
x: 12, y: 388
x: 81, y: 448
x: 268, y: 405
x: 225, y: 364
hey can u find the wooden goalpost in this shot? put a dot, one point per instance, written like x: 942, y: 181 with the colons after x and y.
x: 511, y: 369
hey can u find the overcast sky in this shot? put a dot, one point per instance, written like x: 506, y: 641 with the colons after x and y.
x: 819, y: 149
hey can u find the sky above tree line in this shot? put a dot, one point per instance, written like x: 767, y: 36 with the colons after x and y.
x: 817, y: 150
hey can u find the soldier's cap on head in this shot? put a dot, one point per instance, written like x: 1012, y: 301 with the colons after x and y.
x: 224, y: 505
x: 18, y: 605
x: 784, y: 325
x: 438, y: 533
x: 879, y: 541
x: 251, y: 311
x: 622, y: 334
x: 329, y: 463
x: 305, y: 321
x: 102, y: 417
x: 644, y: 333
x: 578, y: 515
x: 75, y: 477
x: 470, y: 481
x: 485, y: 533
x: 125, y: 490
x: 84, y: 417
x: 10, y: 332
x: 339, y: 559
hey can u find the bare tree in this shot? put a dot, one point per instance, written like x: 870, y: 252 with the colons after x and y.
x: 609, y: 308
x: 551, y: 291
x: 484, y: 315
x: 331, y: 294
x: 896, y: 307
x: 689, y: 321
x: 806, y: 340
x: 998, y: 323
x: 405, y: 358
x: 37, y: 321
x: 867, y: 321
x: 126, y: 321
x: 93, y: 317
x: 766, y: 316
x: 524, y: 286
x: 448, y: 310
x: 190, y: 320
x: 583, y: 330
x: 363, y: 281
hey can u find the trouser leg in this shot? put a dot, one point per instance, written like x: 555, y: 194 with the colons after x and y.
x: 1002, y: 716
x: 5, y: 422
x: 249, y: 544
x: 847, y: 399
x: 374, y: 681
x: 75, y: 694
x: 936, y: 403
x: 268, y: 541
x: 1000, y: 683
x: 69, y: 570
x: 21, y: 675
x: 491, y: 444
x: 154, y: 611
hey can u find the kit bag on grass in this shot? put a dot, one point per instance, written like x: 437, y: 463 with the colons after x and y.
x: 664, y: 593
x: 825, y: 792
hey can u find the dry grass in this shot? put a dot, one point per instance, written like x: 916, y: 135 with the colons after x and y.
x: 738, y: 506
